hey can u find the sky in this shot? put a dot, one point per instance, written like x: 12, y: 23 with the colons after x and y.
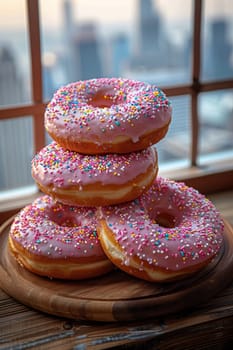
x: 13, y: 12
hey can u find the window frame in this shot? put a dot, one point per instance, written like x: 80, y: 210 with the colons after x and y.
x: 207, y: 179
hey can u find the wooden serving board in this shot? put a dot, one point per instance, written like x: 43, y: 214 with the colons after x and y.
x: 115, y: 296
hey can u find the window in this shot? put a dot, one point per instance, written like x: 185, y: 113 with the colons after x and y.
x: 185, y: 47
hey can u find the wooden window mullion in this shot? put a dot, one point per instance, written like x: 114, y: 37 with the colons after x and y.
x: 36, y: 71
x: 196, y: 63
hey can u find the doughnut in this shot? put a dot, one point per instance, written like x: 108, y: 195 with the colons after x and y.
x: 87, y: 180
x: 58, y: 241
x: 169, y: 233
x: 108, y: 115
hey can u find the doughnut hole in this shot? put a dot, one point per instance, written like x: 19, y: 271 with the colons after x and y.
x: 67, y: 221
x: 63, y: 219
x: 104, y: 98
x: 164, y: 217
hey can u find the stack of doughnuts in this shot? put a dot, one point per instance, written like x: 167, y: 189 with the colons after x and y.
x: 104, y: 205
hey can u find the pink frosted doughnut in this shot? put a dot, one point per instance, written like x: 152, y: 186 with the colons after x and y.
x: 108, y: 115
x: 168, y: 233
x: 89, y: 180
x: 55, y: 240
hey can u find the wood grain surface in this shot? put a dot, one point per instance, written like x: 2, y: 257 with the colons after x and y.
x: 115, y: 296
x: 207, y: 326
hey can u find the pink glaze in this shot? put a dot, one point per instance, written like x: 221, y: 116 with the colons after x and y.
x: 54, y: 165
x: 54, y: 230
x: 194, y: 234
x: 135, y: 108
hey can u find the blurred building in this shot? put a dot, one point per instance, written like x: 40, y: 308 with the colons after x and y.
x: 86, y: 58
x: 82, y: 46
x: 120, y: 54
x: 11, y: 90
x: 218, y: 63
x: 15, y: 134
x: 153, y: 48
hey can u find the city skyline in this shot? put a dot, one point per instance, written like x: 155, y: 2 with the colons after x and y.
x: 86, y: 10
x: 78, y: 51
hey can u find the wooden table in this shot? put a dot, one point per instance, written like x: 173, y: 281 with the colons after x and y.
x: 208, y: 326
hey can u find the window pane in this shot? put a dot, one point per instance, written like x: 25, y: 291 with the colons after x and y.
x: 161, y: 51
x: 14, y: 54
x: 175, y: 147
x: 16, y: 151
x: 141, y: 39
x: 217, y: 43
x: 216, y: 128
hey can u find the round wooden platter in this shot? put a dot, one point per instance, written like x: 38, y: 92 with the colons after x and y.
x: 115, y: 296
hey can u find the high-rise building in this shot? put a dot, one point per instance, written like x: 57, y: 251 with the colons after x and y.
x: 149, y: 23
x: 119, y: 53
x: 82, y: 47
x: 219, y: 55
x: 68, y: 17
x: 15, y: 134
x: 152, y: 44
x: 11, y: 91
x: 87, y: 62
x: 68, y: 32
